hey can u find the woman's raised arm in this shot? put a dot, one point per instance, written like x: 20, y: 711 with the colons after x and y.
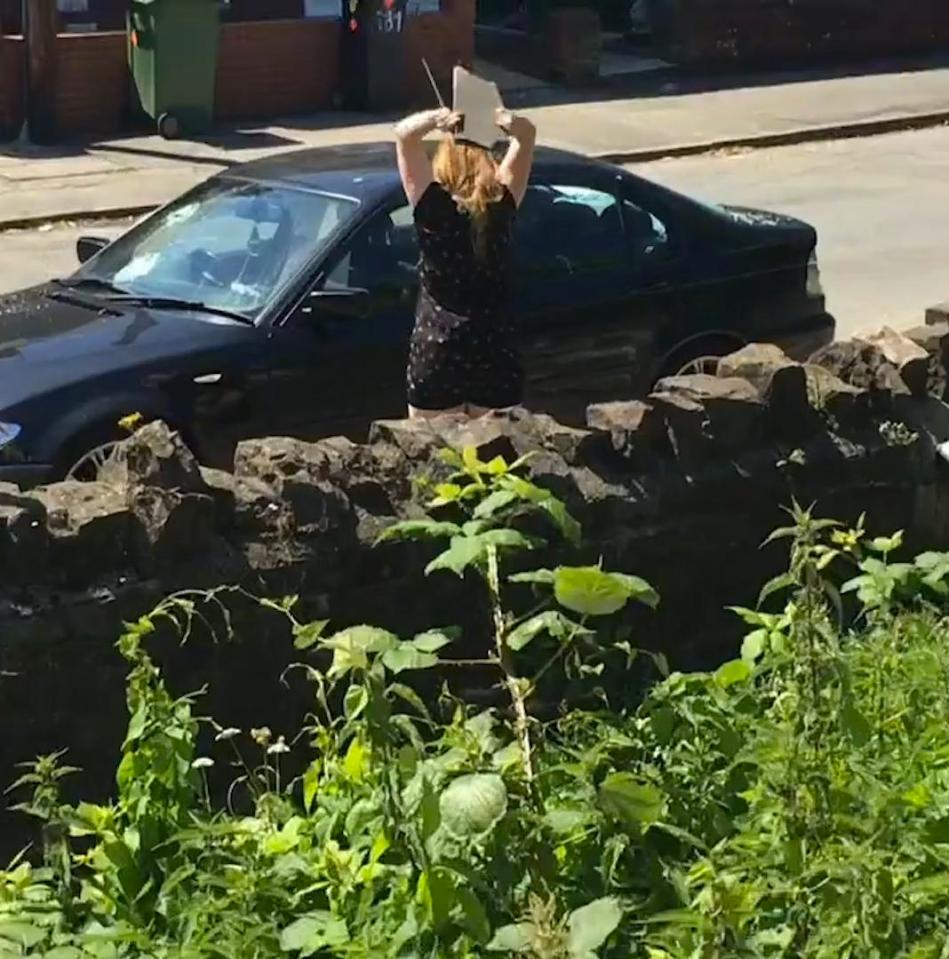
x: 515, y: 169
x: 415, y: 168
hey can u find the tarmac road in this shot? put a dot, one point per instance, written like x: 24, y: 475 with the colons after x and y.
x: 879, y: 205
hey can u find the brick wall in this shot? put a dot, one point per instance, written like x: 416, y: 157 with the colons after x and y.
x: 265, y: 69
x: 11, y: 87
x: 444, y: 39
x: 92, y: 83
x: 276, y: 68
x: 780, y: 32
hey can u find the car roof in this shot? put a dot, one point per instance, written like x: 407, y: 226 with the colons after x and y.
x: 357, y: 169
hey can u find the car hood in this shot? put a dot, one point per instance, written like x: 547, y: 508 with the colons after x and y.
x: 47, y: 343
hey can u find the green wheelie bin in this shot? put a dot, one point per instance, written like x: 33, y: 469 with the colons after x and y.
x: 173, y: 48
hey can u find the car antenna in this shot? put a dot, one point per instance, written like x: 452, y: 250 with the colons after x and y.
x: 431, y: 80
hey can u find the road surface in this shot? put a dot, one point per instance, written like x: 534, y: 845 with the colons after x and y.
x: 879, y: 205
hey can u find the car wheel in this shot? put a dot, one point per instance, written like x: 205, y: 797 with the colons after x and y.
x: 87, y: 468
x: 701, y: 364
x: 700, y: 356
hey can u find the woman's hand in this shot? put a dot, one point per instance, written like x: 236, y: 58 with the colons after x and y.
x: 421, y: 124
x: 449, y: 121
x: 514, y: 125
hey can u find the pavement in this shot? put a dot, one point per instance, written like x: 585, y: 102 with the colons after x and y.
x: 131, y: 174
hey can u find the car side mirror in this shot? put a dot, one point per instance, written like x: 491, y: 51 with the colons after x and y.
x: 88, y: 246
x: 350, y: 302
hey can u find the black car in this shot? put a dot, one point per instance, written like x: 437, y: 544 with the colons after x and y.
x: 277, y: 298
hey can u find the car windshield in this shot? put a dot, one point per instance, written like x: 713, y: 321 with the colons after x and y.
x: 228, y: 244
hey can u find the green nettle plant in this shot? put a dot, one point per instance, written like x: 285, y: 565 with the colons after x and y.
x: 794, y: 803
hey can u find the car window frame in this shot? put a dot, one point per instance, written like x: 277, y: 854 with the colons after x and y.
x: 579, y: 179
x: 631, y: 191
x: 321, y: 269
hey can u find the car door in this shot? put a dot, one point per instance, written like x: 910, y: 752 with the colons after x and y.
x: 588, y: 308
x: 338, y: 361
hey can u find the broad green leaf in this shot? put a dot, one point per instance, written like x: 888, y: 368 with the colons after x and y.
x: 434, y: 639
x: 313, y: 932
x: 514, y: 938
x: 551, y: 622
x: 591, y: 925
x: 306, y: 634
x: 356, y: 761
x: 436, y: 892
x: 22, y: 933
x: 855, y: 725
x: 474, y: 917
x: 639, y: 590
x: 589, y: 591
x: 634, y: 803
x: 737, y: 671
x: 490, y: 505
x: 473, y: 804
x: 463, y: 552
x: 776, y: 585
x: 566, y: 820
x: 355, y: 701
x: 410, y: 696
x: 406, y: 656
x: 497, y: 466
x: 506, y: 539
x: 418, y: 529
x: 446, y: 493
x: 472, y: 464
x: 569, y: 528
x: 544, y: 577
x: 63, y: 952
x: 753, y: 645
x: 311, y: 782
x: 886, y: 544
x: 352, y: 647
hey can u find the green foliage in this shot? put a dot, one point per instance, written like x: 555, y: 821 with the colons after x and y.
x: 794, y: 803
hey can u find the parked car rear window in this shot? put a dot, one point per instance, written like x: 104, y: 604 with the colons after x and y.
x: 230, y: 244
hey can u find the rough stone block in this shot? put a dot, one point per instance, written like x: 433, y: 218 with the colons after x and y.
x: 911, y: 360
x: 24, y: 538
x: 416, y: 440
x: 831, y: 395
x: 708, y: 414
x: 635, y: 428
x: 937, y: 314
x: 89, y: 525
x: 173, y: 527
x: 154, y: 456
x: 781, y: 384
x: 862, y: 365
x: 221, y: 490
x: 934, y: 339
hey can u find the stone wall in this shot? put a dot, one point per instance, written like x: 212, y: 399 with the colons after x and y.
x: 681, y: 488
x: 775, y: 33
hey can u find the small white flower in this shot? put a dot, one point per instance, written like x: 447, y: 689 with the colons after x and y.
x: 225, y: 734
x: 203, y: 762
x: 278, y: 747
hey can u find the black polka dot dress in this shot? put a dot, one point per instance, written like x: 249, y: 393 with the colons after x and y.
x: 463, y: 344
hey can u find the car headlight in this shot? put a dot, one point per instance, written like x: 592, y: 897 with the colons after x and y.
x: 8, y: 433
